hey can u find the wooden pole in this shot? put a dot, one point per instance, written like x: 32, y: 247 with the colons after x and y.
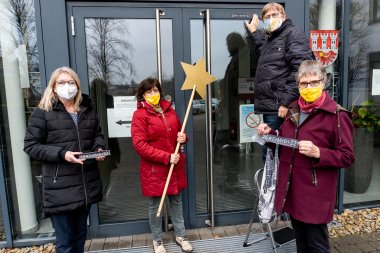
x: 176, y: 152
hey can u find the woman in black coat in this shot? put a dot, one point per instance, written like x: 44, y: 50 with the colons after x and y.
x: 63, y: 126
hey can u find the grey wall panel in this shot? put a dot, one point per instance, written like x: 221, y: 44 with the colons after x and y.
x: 55, y: 35
x: 295, y: 11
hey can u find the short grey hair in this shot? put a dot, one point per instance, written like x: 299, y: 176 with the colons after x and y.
x: 311, y: 68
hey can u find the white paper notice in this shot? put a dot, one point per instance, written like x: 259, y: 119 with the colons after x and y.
x: 375, y: 82
x: 124, y: 102
x: 119, y: 122
x: 245, y: 85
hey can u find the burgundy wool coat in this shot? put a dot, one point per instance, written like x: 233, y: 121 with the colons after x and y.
x: 311, y: 195
x: 154, y: 136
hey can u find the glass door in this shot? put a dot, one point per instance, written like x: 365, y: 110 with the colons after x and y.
x: 226, y: 173
x: 113, y: 50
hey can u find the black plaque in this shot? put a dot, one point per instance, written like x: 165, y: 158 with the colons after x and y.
x: 289, y: 142
x: 93, y: 155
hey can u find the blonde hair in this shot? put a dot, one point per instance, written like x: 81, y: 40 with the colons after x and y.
x: 273, y: 6
x: 311, y: 68
x: 50, y: 97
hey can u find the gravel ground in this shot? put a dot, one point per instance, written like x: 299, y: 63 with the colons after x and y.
x: 348, y: 223
x: 48, y: 248
x: 355, y: 222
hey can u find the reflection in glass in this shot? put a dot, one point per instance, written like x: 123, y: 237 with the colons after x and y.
x: 234, y: 163
x: 120, y: 54
x: 361, y: 181
x: 18, y: 41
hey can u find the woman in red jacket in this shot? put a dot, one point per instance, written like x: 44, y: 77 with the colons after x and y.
x: 308, y: 176
x: 155, y: 133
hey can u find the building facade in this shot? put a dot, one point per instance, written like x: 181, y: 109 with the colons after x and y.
x: 115, y: 45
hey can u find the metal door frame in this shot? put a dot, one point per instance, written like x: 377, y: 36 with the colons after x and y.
x: 181, y: 15
x: 77, y: 14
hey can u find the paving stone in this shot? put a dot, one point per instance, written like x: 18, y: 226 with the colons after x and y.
x: 371, y: 237
x: 333, y: 250
x: 242, y: 229
x: 365, y: 247
x: 205, y: 233
x: 193, y: 234
x: 111, y: 243
x: 168, y: 237
x: 149, y: 239
x: 125, y: 242
x: 97, y: 244
x: 87, y: 245
x: 231, y: 231
x: 139, y: 240
x: 348, y: 240
x: 375, y: 244
x: 349, y: 249
x: 218, y: 232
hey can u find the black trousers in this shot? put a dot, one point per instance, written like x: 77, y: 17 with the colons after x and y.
x: 311, y: 238
x: 70, y: 230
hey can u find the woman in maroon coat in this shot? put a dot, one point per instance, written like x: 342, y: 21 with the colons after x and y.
x: 155, y: 132
x: 308, y: 176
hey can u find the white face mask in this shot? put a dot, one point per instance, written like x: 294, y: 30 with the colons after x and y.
x: 67, y: 92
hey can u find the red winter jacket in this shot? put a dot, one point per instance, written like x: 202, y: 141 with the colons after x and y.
x: 154, y: 136
x: 311, y: 196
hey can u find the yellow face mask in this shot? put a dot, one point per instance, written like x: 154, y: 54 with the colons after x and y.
x: 311, y: 94
x: 153, y: 99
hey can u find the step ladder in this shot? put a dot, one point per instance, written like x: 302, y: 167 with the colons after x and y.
x: 277, y: 237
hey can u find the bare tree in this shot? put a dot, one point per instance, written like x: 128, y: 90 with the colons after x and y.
x: 108, y: 51
x: 22, y: 16
x: 358, y: 41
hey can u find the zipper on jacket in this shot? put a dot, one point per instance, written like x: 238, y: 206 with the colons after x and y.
x: 290, y: 170
x: 165, y: 122
x: 314, y: 178
x: 166, y: 125
x: 56, y: 173
x: 82, y: 169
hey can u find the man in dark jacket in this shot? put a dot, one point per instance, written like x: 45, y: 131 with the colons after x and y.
x: 282, y: 48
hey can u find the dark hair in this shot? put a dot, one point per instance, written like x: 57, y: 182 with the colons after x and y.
x: 147, y: 84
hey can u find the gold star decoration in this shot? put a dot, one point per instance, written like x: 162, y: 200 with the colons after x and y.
x: 197, y: 75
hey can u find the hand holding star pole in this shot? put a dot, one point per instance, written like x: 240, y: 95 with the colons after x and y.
x: 196, y: 79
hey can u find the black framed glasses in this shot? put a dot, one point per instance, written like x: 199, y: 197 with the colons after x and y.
x: 313, y: 83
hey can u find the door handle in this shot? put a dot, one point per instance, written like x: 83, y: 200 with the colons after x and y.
x: 209, y: 170
x: 158, y: 43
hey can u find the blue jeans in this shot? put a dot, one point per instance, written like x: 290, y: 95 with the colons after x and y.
x: 273, y: 122
x: 176, y: 215
x: 70, y: 230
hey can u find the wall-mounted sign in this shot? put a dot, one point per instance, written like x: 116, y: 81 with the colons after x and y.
x: 375, y: 82
x: 245, y: 85
x: 120, y: 117
x: 324, y: 44
x: 248, y: 122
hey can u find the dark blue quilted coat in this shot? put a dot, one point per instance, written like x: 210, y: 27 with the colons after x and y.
x: 281, y: 54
